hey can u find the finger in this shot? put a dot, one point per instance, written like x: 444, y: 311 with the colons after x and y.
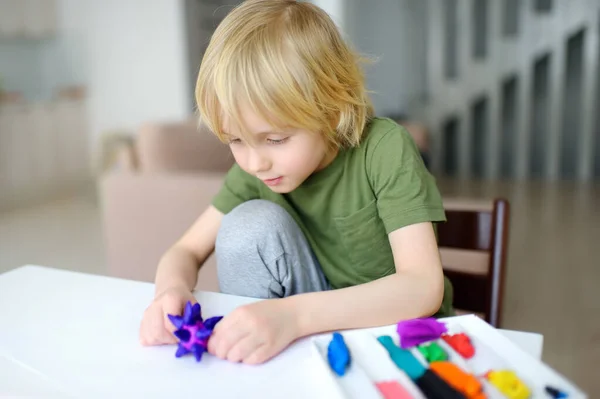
x: 167, y: 338
x: 221, y: 332
x: 243, y: 348
x: 171, y: 307
x: 230, y: 330
x: 224, y: 341
x: 143, y: 336
x: 242, y: 314
x: 260, y: 355
x: 226, y: 323
x: 151, y: 327
x: 158, y: 333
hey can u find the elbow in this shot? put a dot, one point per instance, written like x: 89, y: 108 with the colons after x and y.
x: 435, y: 294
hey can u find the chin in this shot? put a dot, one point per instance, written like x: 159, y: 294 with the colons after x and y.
x: 281, y: 190
x: 284, y: 188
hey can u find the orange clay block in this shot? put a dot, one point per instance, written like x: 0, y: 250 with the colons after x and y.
x: 392, y: 390
x: 463, y: 382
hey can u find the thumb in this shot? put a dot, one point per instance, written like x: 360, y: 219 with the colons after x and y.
x: 175, y: 307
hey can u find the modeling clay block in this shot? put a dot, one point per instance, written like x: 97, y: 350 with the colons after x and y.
x: 461, y: 344
x: 434, y: 387
x: 338, y: 354
x: 433, y: 352
x: 193, y: 333
x: 416, y: 331
x: 463, y: 382
x: 393, y: 390
x: 555, y: 393
x: 509, y: 384
x: 402, y: 358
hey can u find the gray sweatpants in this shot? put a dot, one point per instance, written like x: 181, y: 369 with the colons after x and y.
x: 262, y: 253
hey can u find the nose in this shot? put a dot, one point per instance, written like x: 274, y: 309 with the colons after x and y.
x: 257, y: 162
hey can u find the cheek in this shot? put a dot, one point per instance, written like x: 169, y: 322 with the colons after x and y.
x: 239, y: 155
x: 236, y: 151
x: 302, y: 159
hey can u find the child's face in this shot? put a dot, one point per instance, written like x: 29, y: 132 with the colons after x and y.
x: 281, y: 159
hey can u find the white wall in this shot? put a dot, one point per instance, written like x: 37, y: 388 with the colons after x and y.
x: 64, y: 58
x: 335, y: 9
x: 394, y: 32
x: 37, y: 65
x: 137, y: 62
x: 129, y: 54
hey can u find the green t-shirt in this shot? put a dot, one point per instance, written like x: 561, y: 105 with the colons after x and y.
x: 347, y: 209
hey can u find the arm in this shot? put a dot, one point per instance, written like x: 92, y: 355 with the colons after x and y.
x: 179, y: 266
x: 415, y: 290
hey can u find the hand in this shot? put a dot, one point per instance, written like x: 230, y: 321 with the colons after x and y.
x: 256, y: 332
x: 156, y: 328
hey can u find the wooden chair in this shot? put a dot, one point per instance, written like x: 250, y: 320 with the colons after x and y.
x: 473, y: 246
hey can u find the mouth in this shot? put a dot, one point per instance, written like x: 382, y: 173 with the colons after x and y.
x: 273, y: 182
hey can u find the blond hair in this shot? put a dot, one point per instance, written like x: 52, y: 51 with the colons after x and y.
x: 289, y: 63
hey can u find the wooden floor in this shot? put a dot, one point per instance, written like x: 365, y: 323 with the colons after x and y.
x: 553, y: 276
x: 553, y: 269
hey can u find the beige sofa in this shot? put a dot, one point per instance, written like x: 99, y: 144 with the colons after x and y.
x: 155, y: 191
x: 159, y: 186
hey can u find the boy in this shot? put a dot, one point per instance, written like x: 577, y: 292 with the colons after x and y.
x: 328, y: 212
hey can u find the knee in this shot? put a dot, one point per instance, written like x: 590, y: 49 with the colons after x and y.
x: 250, y: 223
x: 255, y: 213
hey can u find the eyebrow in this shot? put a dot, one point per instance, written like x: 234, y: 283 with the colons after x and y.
x: 263, y: 133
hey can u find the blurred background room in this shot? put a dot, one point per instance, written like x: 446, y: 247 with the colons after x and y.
x: 102, y: 165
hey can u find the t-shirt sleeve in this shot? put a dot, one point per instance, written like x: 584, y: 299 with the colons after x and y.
x: 237, y: 188
x: 405, y: 190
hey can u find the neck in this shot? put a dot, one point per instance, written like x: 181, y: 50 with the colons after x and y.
x: 327, y: 159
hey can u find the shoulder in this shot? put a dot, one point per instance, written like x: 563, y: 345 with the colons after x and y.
x: 385, y: 139
x: 405, y: 191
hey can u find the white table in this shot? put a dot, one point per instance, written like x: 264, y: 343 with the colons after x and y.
x: 72, y: 334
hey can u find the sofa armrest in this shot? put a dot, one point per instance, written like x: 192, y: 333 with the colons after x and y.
x: 125, y: 158
x: 180, y: 147
x: 143, y: 215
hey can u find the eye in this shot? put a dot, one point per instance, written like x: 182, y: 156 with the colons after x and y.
x: 277, y: 141
x: 234, y: 141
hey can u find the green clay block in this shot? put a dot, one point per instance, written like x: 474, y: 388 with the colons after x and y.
x: 433, y: 352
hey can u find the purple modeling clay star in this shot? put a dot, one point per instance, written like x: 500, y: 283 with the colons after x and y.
x: 193, y: 333
x: 416, y: 331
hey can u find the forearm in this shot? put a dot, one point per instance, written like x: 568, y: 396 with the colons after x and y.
x: 381, y: 302
x: 177, y: 268
x: 180, y: 264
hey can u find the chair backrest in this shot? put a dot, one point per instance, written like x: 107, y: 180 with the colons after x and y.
x: 473, y: 246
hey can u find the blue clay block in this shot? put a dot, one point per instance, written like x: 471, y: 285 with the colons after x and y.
x: 211, y: 322
x: 198, y: 350
x: 176, y: 320
x: 338, y: 354
x: 181, y: 351
x: 402, y: 358
x: 182, y: 335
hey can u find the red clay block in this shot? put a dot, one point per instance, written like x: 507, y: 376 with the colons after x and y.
x: 461, y: 344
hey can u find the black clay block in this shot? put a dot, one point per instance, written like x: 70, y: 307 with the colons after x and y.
x: 434, y: 387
